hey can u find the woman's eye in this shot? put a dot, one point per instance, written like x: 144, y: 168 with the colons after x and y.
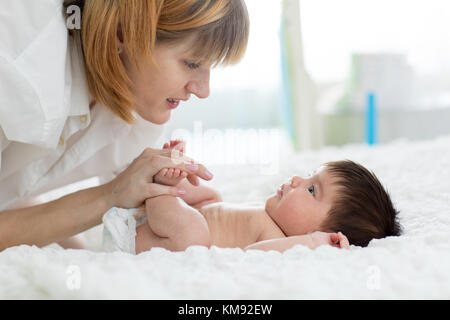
x: 192, y: 65
x: 312, y: 190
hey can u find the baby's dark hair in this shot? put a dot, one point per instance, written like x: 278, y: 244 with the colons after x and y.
x: 363, y: 209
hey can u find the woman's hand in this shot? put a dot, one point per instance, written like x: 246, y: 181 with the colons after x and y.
x: 169, y: 177
x: 135, y: 184
x: 173, y: 176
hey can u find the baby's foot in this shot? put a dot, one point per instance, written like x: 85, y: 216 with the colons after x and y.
x: 170, y: 176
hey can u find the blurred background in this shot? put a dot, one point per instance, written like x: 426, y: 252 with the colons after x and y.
x: 320, y: 73
x: 324, y: 72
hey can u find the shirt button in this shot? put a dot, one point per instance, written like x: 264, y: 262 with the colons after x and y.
x: 61, y: 141
x: 83, y: 118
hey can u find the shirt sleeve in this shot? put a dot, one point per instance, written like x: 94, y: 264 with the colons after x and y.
x: 33, y: 63
x: 3, y: 144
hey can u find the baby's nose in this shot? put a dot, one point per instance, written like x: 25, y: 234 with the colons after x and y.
x: 295, y: 181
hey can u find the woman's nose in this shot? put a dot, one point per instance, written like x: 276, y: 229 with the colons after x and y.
x: 200, y: 85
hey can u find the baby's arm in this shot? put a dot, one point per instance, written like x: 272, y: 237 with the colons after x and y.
x: 312, y: 241
x: 172, y: 224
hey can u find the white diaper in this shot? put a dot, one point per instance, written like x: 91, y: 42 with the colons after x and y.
x: 119, y: 229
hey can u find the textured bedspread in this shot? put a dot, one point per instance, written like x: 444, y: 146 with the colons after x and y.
x: 415, y: 265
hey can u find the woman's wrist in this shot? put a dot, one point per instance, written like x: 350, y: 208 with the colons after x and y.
x: 106, y: 197
x: 97, y: 201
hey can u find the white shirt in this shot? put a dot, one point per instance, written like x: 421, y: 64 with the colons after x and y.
x: 48, y: 136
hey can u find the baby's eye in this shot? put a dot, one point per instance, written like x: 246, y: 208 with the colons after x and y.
x: 312, y: 190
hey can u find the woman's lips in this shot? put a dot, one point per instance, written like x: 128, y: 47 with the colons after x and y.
x: 173, y: 103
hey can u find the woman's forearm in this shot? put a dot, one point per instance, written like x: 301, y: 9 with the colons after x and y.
x: 53, y: 221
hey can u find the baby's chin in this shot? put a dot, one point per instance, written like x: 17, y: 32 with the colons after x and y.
x: 270, y: 202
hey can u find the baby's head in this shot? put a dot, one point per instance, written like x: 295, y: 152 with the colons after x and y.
x: 340, y: 196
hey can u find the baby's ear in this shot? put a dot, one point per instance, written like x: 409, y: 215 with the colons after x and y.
x: 334, y: 237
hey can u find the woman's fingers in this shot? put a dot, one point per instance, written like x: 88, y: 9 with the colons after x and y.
x: 193, y: 179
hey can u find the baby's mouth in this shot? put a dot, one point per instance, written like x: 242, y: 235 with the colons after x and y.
x: 280, y: 191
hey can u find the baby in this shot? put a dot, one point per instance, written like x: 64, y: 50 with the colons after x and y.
x: 342, y: 203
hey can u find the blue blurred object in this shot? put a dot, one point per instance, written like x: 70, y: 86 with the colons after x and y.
x: 371, y: 119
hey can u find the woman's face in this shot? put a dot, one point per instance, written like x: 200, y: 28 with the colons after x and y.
x: 160, y: 88
x: 302, y: 204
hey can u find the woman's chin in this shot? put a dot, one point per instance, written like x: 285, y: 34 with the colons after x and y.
x: 158, y: 119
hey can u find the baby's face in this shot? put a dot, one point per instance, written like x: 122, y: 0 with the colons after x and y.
x: 302, y: 204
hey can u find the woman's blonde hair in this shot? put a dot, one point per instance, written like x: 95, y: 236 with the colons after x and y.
x: 221, y: 29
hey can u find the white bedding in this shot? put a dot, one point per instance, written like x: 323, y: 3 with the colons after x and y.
x: 413, y: 266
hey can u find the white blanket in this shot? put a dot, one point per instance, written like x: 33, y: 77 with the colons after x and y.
x: 413, y: 266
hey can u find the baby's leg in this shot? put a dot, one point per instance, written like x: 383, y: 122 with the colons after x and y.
x: 172, y: 224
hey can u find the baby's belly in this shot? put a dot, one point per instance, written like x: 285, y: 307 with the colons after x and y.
x: 230, y: 225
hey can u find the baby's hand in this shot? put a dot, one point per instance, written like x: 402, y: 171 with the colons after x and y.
x: 176, y: 145
x: 337, y: 240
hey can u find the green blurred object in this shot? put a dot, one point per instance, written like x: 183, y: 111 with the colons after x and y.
x: 343, y: 128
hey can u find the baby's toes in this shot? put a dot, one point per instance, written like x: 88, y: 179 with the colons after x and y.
x: 176, y: 173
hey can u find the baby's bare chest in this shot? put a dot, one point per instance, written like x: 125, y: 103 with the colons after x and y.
x: 233, y: 225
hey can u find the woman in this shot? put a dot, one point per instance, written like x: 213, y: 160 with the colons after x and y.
x: 91, y: 102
